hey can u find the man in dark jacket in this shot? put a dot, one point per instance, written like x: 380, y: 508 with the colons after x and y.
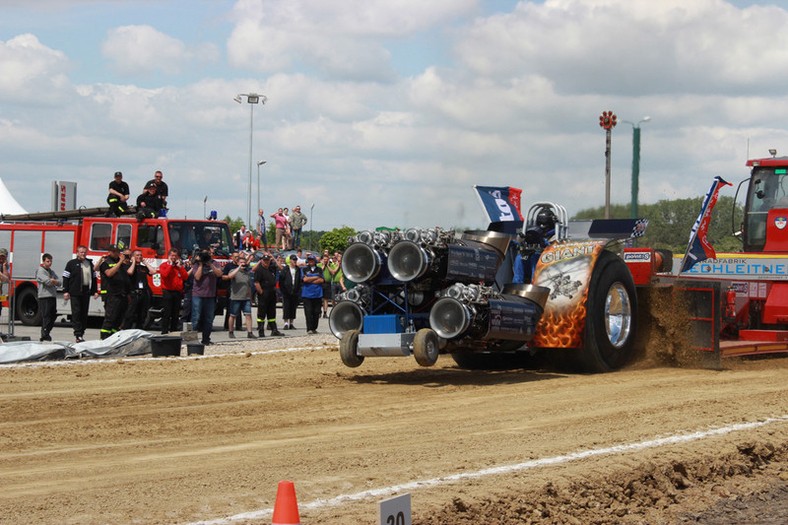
x: 265, y: 284
x: 290, y: 286
x: 114, y: 279
x: 161, y: 188
x: 118, y: 195
x: 79, y: 282
x: 148, y: 203
x: 139, y: 292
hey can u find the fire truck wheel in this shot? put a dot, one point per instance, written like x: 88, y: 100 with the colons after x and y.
x: 426, y: 347
x: 612, y: 313
x: 348, y: 349
x: 27, y: 310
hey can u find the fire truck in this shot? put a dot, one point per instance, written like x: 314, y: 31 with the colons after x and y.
x: 28, y: 236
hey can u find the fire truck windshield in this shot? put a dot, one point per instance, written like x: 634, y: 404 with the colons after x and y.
x: 190, y: 236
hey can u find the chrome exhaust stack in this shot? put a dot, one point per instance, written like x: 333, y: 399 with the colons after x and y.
x: 482, y: 313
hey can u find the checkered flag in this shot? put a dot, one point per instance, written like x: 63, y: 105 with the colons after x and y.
x: 640, y: 228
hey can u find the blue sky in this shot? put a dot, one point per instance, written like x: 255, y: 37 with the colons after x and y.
x: 386, y: 112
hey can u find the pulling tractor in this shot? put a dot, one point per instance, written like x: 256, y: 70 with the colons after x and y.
x: 490, y: 298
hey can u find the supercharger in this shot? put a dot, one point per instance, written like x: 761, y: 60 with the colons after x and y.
x: 420, y: 291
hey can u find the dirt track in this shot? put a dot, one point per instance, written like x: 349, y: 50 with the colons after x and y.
x: 185, y: 440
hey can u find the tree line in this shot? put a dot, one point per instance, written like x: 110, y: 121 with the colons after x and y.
x: 670, y: 222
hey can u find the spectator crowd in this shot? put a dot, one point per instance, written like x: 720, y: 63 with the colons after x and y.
x: 190, y: 288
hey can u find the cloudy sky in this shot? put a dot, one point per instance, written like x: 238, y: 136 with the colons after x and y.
x: 386, y: 112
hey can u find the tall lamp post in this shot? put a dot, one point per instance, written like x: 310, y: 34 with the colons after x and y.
x: 633, y: 207
x: 252, y: 99
x: 607, y: 121
x: 311, y: 223
x: 259, y: 163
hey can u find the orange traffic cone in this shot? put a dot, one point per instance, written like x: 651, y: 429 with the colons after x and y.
x: 286, y: 506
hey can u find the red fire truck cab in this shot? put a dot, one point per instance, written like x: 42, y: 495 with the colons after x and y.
x: 27, y: 237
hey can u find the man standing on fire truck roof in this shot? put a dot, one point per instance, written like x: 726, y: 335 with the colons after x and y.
x: 79, y: 281
x: 161, y: 188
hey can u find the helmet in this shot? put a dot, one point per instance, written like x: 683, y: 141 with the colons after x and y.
x: 545, y: 219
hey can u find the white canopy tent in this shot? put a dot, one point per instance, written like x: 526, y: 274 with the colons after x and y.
x: 8, y: 204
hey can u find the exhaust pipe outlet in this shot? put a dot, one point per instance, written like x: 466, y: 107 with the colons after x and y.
x: 473, y: 311
x: 345, y: 316
x: 361, y: 262
x: 450, y: 318
x: 407, y: 261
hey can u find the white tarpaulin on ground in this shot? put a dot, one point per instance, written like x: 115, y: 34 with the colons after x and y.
x: 8, y: 204
x: 123, y: 343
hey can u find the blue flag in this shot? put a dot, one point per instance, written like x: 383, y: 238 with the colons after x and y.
x: 501, y: 204
x: 699, y: 248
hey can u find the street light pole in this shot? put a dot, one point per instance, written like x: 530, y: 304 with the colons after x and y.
x: 607, y: 121
x: 252, y: 99
x: 633, y: 207
x: 311, y: 223
x: 259, y: 163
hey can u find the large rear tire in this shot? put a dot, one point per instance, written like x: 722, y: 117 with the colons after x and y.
x: 26, y: 305
x: 611, y: 322
x: 426, y: 347
x: 348, y: 349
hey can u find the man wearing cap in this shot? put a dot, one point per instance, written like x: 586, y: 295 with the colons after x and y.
x: 290, y: 286
x: 148, y: 204
x: 265, y: 284
x: 312, y: 292
x: 118, y: 195
x: 116, y: 282
x: 79, y: 282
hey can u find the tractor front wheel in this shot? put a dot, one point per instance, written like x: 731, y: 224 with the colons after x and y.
x: 348, y: 349
x: 426, y: 347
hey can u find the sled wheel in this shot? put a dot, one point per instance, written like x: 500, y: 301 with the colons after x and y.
x: 611, y: 316
x: 27, y: 310
x: 426, y: 347
x: 348, y: 348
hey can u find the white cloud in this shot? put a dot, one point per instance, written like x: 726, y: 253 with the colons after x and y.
x: 138, y: 49
x: 344, y: 40
x: 625, y: 46
x: 30, y: 70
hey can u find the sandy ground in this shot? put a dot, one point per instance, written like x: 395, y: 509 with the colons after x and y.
x: 185, y: 440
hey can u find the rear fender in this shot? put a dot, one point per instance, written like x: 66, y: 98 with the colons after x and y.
x: 566, y: 270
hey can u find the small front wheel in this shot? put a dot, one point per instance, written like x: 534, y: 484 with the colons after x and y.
x: 426, y: 347
x: 348, y: 349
